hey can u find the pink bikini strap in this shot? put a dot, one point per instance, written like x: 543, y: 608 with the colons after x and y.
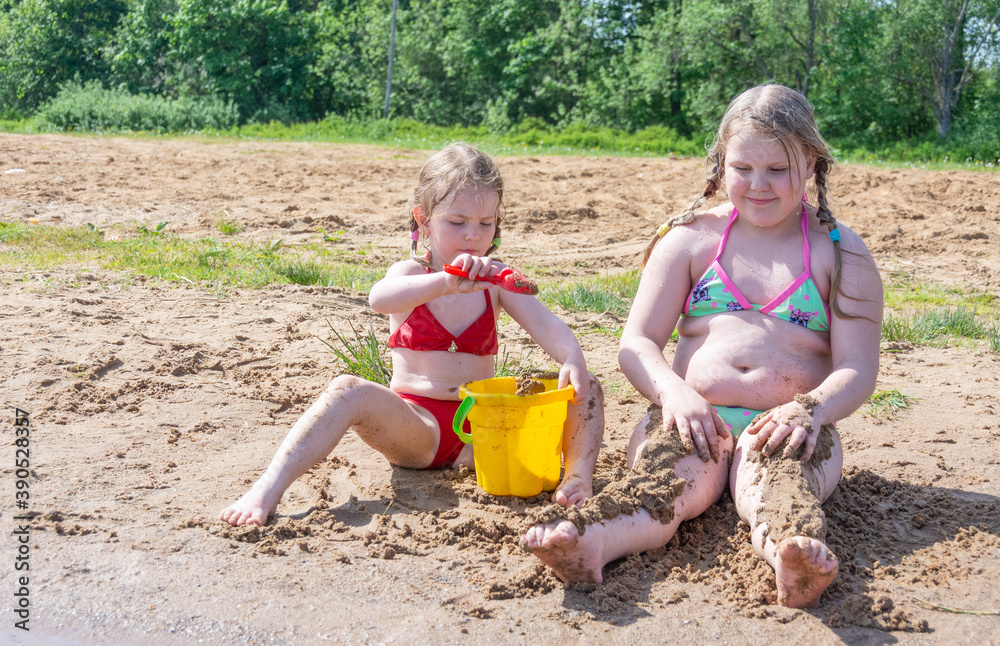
x: 805, y: 241
x: 725, y: 234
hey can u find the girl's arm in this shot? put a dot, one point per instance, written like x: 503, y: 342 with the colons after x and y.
x: 407, y: 285
x: 554, y: 336
x: 854, y: 345
x: 655, y: 311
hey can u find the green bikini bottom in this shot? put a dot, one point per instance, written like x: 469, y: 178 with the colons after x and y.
x: 736, y: 418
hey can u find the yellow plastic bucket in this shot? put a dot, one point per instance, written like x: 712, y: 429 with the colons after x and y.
x: 516, y: 439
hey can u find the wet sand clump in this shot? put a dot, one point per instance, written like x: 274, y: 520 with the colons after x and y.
x: 521, y: 283
x: 528, y: 386
x: 530, y: 383
x: 651, y: 484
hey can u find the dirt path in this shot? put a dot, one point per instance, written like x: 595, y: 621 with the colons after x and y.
x: 154, y: 405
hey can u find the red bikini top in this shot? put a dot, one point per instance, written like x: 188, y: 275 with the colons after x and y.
x: 422, y: 332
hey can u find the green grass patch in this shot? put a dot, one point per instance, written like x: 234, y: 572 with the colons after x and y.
x: 332, y: 236
x: 508, y: 364
x: 886, y: 403
x: 941, y: 326
x: 530, y: 137
x: 152, y: 252
x: 936, y: 314
x: 226, y: 226
x: 364, y: 354
x: 612, y: 293
x: 978, y: 150
x: 903, y: 293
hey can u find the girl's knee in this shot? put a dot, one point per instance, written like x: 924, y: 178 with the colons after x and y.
x: 345, y: 387
x: 342, y: 383
x: 706, y: 483
x: 595, y: 397
x: 596, y: 391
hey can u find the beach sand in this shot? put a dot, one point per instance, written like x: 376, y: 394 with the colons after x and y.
x: 155, y: 404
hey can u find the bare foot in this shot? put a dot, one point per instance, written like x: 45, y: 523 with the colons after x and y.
x: 803, y: 568
x: 253, y: 508
x: 572, y: 491
x: 573, y: 557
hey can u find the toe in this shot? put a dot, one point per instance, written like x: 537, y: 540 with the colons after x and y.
x: 530, y: 538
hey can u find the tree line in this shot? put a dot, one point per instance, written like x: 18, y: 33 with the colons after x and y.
x: 876, y: 70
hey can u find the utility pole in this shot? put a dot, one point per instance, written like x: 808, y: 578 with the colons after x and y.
x: 392, y: 51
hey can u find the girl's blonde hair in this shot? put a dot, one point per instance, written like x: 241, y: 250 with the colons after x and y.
x: 446, y: 172
x: 784, y: 114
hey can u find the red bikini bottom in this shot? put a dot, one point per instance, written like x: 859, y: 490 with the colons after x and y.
x: 443, y: 410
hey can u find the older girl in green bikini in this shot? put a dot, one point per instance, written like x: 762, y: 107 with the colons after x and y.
x: 778, y: 309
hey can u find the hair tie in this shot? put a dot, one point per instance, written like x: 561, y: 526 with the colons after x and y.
x: 835, y: 235
x: 805, y: 197
x: 662, y: 229
x: 415, y: 235
x: 496, y: 242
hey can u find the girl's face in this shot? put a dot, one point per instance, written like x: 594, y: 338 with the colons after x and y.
x: 463, y: 222
x: 764, y: 182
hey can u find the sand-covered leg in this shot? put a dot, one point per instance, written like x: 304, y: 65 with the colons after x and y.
x: 582, y: 437
x: 780, y: 498
x: 639, y: 513
x: 381, y: 418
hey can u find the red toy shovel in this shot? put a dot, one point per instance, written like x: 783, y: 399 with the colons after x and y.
x: 510, y: 279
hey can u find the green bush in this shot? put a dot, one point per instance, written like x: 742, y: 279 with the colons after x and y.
x: 664, y: 140
x: 91, y: 107
x: 976, y: 146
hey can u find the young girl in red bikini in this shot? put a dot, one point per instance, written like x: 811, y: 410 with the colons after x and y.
x: 772, y: 350
x: 443, y: 334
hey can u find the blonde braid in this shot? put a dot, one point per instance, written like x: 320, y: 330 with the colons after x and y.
x: 825, y: 215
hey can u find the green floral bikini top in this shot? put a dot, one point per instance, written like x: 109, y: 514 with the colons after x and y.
x: 800, y: 303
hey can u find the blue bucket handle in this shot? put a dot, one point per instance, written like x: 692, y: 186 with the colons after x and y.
x: 459, y: 421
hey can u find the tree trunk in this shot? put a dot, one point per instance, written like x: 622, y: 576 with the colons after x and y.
x: 810, y: 46
x: 392, y: 52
